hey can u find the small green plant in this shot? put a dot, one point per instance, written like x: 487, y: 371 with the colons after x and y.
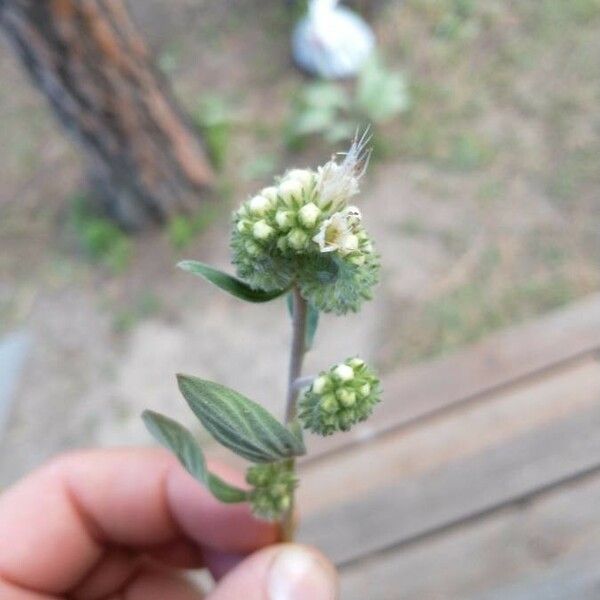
x: 100, y: 238
x: 300, y: 238
x: 335, y: 112
x: 214, y: 118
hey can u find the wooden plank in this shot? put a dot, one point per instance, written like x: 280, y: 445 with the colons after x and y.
x: 451, y: 437
x: 418, y: 505
x: 548, y: 549
x: 499, y: 360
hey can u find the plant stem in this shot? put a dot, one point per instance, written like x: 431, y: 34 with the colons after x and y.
x: 298, y: 350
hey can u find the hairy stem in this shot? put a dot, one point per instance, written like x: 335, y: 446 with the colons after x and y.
x: 298, y: 350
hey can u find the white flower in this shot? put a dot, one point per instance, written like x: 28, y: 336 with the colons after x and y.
x: 309, y: 214
x: 337, y: 233
x: 337, y: 183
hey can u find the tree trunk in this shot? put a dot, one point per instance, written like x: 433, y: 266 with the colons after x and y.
x: 146, y: 162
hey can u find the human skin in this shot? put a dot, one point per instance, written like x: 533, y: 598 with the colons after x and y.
x: 122, y: 524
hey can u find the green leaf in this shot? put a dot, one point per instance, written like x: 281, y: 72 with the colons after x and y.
x: 226, y: 282
x: 238, y: 423
x: 181, y: 442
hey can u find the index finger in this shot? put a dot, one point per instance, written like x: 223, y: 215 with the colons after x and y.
x: 57, y: 523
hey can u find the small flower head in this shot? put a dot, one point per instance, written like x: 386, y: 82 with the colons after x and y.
x: 340, y: 398
x: 302, y: 230
x: 272, y: 489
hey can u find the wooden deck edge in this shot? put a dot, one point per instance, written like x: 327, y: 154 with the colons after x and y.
x: 502, y: 359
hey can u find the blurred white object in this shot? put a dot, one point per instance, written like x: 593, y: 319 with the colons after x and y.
x: 331, y: 41
x: 13, y: 351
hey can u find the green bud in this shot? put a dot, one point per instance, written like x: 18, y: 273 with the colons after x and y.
x: 243, y: 226
x: 320, y: 384
x: 329, y: 403
x: 261, y: 230
x: 259, y: 205
x: 270, y: 193
x: 343, y: 372
x: 273, y: 487
x: 285, y: 219
x: 346, y: 397
x: 290, y: 191
x: 364, y: 390
x: 252, y: 248
x: 297, y: 239
x: 309, y: 214
x: 341, y: 402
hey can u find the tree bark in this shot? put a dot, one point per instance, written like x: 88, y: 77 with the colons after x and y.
x: 146, y: 161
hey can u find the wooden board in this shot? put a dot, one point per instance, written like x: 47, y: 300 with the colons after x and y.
x: 520, y: 460
x: 548, y: 549
x: 500, y: 360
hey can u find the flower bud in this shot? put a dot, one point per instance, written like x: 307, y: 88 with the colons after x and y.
x: 320, y: 384
x: 309, y: 214
x: 273, y: 486
x: 346, y: 397
x: 262, y: 231
x: 343, y: 372
x: 305, y: 176
x: 291, y: 190
x: 270, y: 193
x: 259, y: 205
x: 297, y: 239
x: 335, y: 403
x: 252, y: 248
x: 285, y: 219
x: 243, y: 225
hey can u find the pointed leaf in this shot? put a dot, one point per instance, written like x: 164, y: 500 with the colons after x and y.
x: 228, y: 283
x: 181, y: 442
x: 238, y: 423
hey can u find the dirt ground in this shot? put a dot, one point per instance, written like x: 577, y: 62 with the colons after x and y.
x: 486, y: 210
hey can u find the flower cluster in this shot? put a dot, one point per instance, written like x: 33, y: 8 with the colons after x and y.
x: 304, y: 231
x: 273, y: 488
x: 340, y: 398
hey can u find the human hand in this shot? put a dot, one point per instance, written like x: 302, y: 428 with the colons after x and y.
x: 118, y: 524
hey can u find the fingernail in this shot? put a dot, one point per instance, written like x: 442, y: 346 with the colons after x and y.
x: 297, y: 574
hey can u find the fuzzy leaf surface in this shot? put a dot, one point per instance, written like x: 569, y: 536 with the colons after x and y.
x: 228, y: 283
x: 239, y: 423
x: 181, y: 442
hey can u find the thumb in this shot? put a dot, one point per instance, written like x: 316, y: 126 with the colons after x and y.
x: 282, y: 572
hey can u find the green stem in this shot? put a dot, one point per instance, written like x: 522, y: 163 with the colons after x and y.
x: 298, y: 350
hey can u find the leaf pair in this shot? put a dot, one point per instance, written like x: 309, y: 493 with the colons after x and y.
x: 235, y: 421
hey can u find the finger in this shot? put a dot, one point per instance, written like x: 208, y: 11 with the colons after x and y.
x: 156, y: 585
x: 88, y: 501
x: 9, y: 591
x: 283, y: 572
